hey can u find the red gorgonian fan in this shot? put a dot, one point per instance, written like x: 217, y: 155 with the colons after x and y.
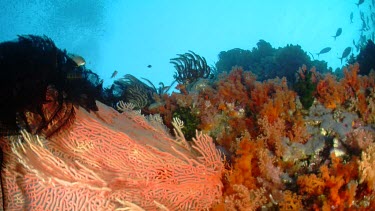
x: 110, y: 161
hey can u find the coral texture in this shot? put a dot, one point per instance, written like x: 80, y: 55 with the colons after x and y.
x: 282, y: 155
x: 110, y: 161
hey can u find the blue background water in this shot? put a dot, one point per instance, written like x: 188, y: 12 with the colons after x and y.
x: 128, y: 35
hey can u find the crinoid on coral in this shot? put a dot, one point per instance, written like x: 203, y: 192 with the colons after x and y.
x: 131, y: 90
x: 190, y: 67
x: 39, y: 85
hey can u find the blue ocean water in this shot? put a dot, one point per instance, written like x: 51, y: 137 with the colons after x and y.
x: 129, y: 36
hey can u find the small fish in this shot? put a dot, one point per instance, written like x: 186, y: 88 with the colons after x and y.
x: 149, y: 66
x: 324, y: 50
x: 351, y: 17
x: 345, y: 53
x: 362, y: 15
x: 364, y: 26
x: 114, y: 74
x: 338, y: 33
x: 79, y: 60
x: 360, y: 2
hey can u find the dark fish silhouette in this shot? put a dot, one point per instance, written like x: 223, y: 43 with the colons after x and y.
x: 149, y: 66
x: 345, y: 53
x: 338, y: 33
x: 114, y: 74
x: 364, y: 26
x: 324, y: 50
x: 360, y: 2
x: 351, y: 17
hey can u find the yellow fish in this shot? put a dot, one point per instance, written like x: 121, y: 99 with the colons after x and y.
x: 79, y: 60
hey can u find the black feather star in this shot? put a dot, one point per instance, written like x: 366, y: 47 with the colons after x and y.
x: 37, y: 92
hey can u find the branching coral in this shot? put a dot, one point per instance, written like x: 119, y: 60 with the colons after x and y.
x: 244, y: 199
x: 291, y: 201
x: 367, y: 166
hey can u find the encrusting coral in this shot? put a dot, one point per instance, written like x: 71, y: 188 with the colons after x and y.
x: 110, y: 161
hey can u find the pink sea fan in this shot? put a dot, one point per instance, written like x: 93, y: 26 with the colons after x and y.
x: 108, y: 161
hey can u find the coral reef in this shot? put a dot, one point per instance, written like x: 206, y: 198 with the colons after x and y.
x: 366, y: 58
x: 267, y: 62
x: 285, y: 154
x: 299, y: 138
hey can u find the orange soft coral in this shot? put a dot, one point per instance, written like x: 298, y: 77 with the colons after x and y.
x: 246, y: 169
x: 311, y: 184
x: 280, y: 104
x: 351, y: 81
x: 232, y: 87
x: 336, y: 182
x: 330, y: 92
x: 241, y: 191
x: 291, y: 201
